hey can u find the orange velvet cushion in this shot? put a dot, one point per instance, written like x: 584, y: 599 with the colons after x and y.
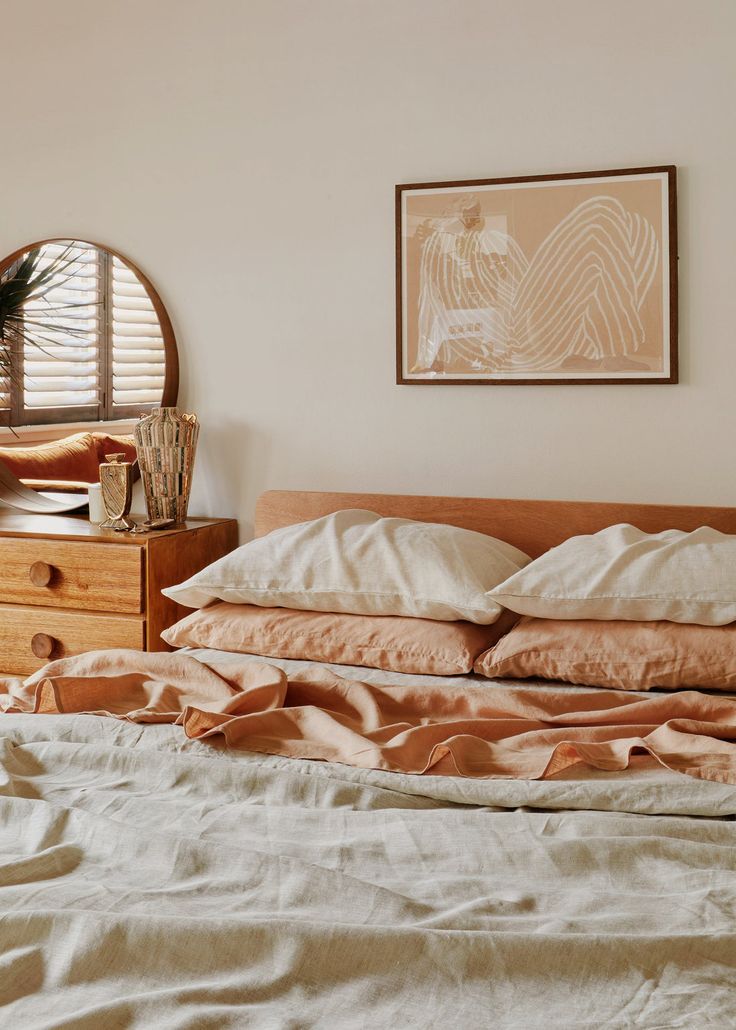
x: 74, y: 459
x: 114, y: 445
x: 621, y: 655
x: 392, y: 642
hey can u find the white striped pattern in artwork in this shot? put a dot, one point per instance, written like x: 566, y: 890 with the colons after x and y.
x: 578, y: 300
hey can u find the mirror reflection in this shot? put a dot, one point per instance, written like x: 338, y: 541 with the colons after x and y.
x: 83, y: 336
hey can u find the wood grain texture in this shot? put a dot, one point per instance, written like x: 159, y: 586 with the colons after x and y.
x: 42, y: 645
x: 96, y: 577
x: 41, y: 573
x: 80, y: 570
x: 71, y: 632
x: 533, y: 526
x: 78, y: 527
x: 169, y: 560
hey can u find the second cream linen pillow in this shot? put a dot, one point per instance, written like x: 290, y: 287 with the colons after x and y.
x: 623, y: 573
x: 357, y: 562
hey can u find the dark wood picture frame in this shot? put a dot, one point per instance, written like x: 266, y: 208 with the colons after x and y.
x: 669, y: 268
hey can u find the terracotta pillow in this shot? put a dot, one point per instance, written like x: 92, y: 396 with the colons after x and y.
x: 73, y: 458
x: 617, y: 654
x: 114, y: 445
x: 391, y: 642
x: 73, y: 461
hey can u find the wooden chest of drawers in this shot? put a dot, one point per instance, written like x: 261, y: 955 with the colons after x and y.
x: 67, y: 586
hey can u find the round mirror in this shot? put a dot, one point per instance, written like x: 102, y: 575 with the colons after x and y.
x: 84, y: 336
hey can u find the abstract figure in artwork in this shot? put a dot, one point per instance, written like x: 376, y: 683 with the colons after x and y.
x: 573, y: 306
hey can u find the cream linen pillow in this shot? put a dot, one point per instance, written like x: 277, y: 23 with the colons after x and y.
x: 357, y: 562
x: 622, y: 573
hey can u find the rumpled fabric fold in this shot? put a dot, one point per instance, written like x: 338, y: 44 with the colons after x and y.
x: 511, y: 733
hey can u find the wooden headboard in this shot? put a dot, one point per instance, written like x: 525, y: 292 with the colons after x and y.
x: 533, y: 526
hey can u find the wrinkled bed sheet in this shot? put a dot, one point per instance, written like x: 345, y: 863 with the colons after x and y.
x: 151, y: 881
x: 512, y: 732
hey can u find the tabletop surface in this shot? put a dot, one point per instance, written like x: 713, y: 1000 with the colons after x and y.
x: 73, y: 527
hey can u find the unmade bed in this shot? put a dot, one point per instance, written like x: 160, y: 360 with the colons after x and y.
x: 152, y: 880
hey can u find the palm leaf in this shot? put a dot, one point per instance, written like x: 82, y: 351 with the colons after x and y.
x: 26, y: 282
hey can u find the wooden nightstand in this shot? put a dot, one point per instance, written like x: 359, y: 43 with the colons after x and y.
x: 67, y: 586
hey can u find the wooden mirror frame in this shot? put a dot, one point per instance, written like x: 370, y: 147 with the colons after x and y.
x: 170, y: 391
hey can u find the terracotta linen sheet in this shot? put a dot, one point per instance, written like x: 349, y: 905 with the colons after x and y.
x: 515, y: 732
x: 148, y: 880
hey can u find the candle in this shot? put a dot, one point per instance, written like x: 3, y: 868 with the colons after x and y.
x: 97, y: 513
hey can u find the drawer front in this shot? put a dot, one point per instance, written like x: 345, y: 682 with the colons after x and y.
x: 71, y: 574
x: 31, y: 637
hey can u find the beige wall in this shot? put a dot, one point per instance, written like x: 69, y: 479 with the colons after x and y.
x: 244, y: 153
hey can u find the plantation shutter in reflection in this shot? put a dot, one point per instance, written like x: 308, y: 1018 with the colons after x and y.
x: 4, y: 400
x: 97, y: 349
x: 138, y: 359
x: 62, y: 367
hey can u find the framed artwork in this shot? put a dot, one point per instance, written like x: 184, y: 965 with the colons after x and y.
x: 538, y: 279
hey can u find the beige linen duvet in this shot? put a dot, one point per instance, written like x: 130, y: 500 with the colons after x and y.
x: 151, y: 881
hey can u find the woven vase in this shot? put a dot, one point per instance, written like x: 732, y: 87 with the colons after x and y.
x: 166, y: 441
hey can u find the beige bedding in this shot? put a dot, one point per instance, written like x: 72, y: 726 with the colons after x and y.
x: 156, y: 882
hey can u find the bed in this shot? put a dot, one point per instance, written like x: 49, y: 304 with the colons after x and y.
x: 150, y: 880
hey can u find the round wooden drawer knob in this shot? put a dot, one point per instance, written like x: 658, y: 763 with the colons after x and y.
x: 42, y: 645
x: 41, y: 573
